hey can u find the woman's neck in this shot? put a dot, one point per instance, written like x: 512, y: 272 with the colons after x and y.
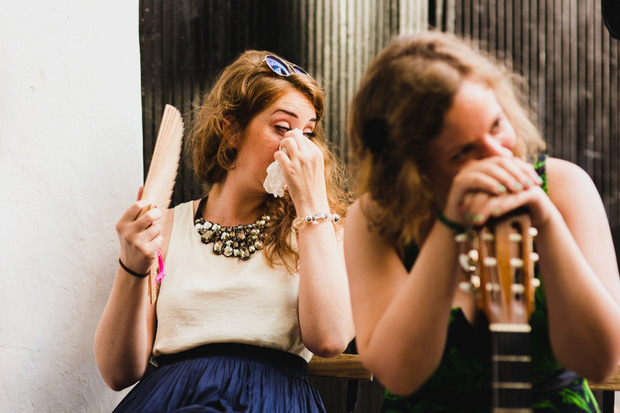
x: 230, y: 205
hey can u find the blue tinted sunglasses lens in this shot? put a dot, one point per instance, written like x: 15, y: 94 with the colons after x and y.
x: 277, y: 66
x: 299, y: 70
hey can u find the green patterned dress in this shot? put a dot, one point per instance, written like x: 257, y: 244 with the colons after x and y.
x: 461, y: 383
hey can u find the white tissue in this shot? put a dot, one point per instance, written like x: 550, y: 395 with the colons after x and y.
x: 274, y: 182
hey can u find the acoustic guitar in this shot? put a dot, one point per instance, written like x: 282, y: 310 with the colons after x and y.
x: 499, y: 261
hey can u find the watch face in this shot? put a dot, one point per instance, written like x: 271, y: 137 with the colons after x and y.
x: 611, y: 16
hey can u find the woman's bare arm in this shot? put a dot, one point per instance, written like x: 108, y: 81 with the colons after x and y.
x: 126, y: 330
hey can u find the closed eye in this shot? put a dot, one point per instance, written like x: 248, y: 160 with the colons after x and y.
x: 462, y: 153
x: 309, y: 135
x: 496, y: 124
x: 282, y: 129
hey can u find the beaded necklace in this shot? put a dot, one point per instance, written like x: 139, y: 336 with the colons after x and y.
x: 240, y: 241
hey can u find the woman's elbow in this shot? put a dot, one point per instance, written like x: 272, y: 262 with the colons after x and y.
x: 328, y: 348
x: 603, y: 367
x: 116, y: 384
x: 603, y: 374
x: 118, y: 377
x: 401, y: 377
x: 329, y: 345
x: 596, y: 366
x: 119, y: 380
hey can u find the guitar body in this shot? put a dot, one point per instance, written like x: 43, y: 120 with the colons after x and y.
x: 499, y: 259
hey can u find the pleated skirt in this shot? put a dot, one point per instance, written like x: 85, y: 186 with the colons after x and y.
x: 226, y: 377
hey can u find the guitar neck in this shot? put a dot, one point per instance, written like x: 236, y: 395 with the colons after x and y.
x: 510, y: 364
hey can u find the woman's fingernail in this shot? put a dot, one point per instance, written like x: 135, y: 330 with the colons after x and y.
x: 518, y: 186
x: 478, y: 218
x: 496, y: 211
x: 539, y: 180
x: 501, y: 188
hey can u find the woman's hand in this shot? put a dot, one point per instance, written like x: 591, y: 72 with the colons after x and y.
x: 478, y: 207
x: 303, y: 167
x: 140, y: 236
x: 492, y: 187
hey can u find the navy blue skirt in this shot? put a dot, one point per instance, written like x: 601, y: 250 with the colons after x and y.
x: 227, y: 377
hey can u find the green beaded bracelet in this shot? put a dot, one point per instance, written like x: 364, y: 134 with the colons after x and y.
x: 457, y: 228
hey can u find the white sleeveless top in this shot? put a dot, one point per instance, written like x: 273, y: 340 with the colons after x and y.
x: 208, y: 298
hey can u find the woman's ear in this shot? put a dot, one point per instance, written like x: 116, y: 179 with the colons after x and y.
x: 231, y: 132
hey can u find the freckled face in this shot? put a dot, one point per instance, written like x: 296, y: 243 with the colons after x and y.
x: 475, y: 127
x: 261, y: 139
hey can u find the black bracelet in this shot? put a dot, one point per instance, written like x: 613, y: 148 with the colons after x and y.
x: 135, y: 274
x: 457, y: 228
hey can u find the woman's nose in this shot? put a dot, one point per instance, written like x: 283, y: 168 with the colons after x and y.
x: 493, y: 147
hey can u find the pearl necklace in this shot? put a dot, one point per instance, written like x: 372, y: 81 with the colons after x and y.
x: 240, y: 241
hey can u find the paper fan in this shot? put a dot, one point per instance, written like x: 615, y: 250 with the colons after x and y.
x: 161, y: 176
x: 165, y: 161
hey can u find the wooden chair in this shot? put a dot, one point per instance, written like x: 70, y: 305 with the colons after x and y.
x: 349, y: 366
x: 344, y: 366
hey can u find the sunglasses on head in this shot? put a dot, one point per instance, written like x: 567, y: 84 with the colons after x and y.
x: 282, y: 67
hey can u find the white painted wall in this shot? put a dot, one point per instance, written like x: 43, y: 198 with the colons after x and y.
x: 70, y: 163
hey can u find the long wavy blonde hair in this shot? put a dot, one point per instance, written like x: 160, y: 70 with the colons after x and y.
x: 240, y: 92
x: 400, y: 106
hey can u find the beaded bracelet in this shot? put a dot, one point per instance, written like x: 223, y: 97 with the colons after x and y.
x: 318, y: 218
x: 456, y: 227
x: 129, y: 271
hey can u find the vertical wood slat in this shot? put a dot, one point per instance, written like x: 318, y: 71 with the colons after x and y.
x: 556, y: 71
x: 597, y: 98
x: 613, y: 201
x: 571, y: 64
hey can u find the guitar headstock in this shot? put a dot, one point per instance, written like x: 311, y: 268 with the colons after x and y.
x: 499, y: 259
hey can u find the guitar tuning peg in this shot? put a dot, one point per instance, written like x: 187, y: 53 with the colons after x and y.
x: 535, y: 282
x: 532, y: 231
x: 467, y: 287
x: 534, y: 257
x: 466, y: 264
x: 462, y: 237
x: 514, y: 237
x: 490, y: 262
x: 516, y: 263
x: 473, y: 255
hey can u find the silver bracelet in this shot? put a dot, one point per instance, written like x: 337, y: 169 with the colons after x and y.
x: 319, y: 217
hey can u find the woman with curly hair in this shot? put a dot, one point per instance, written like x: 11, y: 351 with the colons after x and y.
x: 255, y: 284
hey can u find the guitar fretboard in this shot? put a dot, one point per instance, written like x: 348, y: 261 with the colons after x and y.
x: 510, y: 363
